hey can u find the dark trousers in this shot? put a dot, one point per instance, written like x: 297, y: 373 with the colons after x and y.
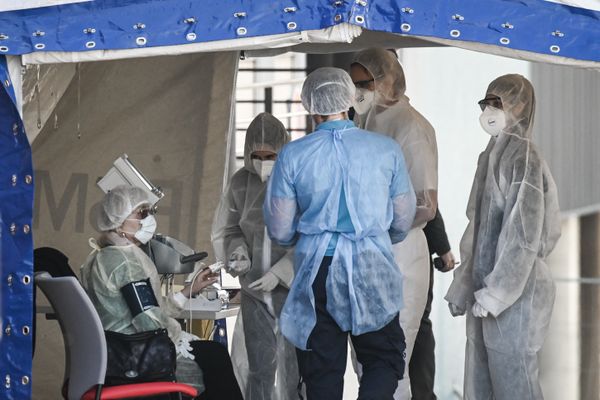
x: 422, y: 363
x: 322, y: 367
x: 219, y: 379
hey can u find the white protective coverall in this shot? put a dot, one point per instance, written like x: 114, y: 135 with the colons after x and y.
x: 513, y: 225
x: 392, y: 115
x: 266, y: 365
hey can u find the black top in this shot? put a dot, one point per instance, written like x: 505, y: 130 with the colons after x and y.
x: 435, y: 232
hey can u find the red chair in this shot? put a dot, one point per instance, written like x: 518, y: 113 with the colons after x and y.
x: 85, y: 346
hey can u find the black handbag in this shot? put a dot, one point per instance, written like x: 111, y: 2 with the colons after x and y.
x: 140, y: 357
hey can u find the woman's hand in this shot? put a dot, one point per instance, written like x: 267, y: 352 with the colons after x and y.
x: 203, y: 279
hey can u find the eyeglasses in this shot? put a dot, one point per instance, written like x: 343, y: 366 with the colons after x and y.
x: 363, y: 84
x: 145, y: 211
x: 494, y: 102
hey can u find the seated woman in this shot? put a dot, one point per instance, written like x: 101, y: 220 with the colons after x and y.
x: 124, y: 286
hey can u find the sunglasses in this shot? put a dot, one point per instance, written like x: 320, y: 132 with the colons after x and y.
x: 363, y: 84
x: 144, y: 212
x: 494, y: 102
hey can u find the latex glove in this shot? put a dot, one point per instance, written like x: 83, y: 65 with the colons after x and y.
x: 189, y: 337
x: 183, y: 346
x: 478, y: 311
x: 183, y: 349
x: 239, y: 261
x: 284, y: 269
x: 267, y: 283
x: 455, y: 310
x: 449, y: 261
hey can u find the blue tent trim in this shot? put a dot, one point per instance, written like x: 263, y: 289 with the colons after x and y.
x: 16, y: 247
x: 129, y: 24
x: 530, y: 25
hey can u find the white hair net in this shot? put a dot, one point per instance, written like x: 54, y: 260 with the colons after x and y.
x: 327, y: 91
x: 265, y: 132
x: 118, y: 204
x: 518, y: 103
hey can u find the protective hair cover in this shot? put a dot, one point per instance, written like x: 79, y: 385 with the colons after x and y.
x: 109, y: 269
x: 392, y: 115
x: 302, y: 204
x: 265, y: 132
x: 272, y: 371
x: 327, y: 91
x: 387, y: 73
x: 239, y: 218
x: 514, y: 224
x: 518, y: 103
x: 117, y: 205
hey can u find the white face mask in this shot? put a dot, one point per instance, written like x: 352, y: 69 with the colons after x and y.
x: 263, y: 168
x: 492, y: 120
x: 363, y: 100
x: 146, y: 231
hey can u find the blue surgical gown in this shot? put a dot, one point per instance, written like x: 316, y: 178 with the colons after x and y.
x: 364, y: 285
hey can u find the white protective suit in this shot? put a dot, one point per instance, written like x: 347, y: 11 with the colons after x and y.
x: 272, y: 371
x: 513, y: 225
x: 392, y: 115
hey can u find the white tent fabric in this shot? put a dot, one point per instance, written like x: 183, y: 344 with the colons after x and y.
x: 10, y: 5
x: 339, y: 38
x: 587, y: 4
x: 14, y: 69
x: 43, y: 90
x: 343, y: 33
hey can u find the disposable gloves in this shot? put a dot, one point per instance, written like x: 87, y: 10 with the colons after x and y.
x: 239, y: 262
x: 478, y: 311
x: 267, y: 283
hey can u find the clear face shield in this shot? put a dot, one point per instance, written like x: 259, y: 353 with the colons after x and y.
x: 124, y: 172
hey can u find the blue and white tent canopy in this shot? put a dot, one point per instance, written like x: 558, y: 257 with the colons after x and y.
x: 562, y: 31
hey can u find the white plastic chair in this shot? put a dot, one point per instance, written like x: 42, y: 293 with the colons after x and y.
x: 85, y: 345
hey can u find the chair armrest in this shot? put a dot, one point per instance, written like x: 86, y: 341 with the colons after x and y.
x: 141, y: 390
